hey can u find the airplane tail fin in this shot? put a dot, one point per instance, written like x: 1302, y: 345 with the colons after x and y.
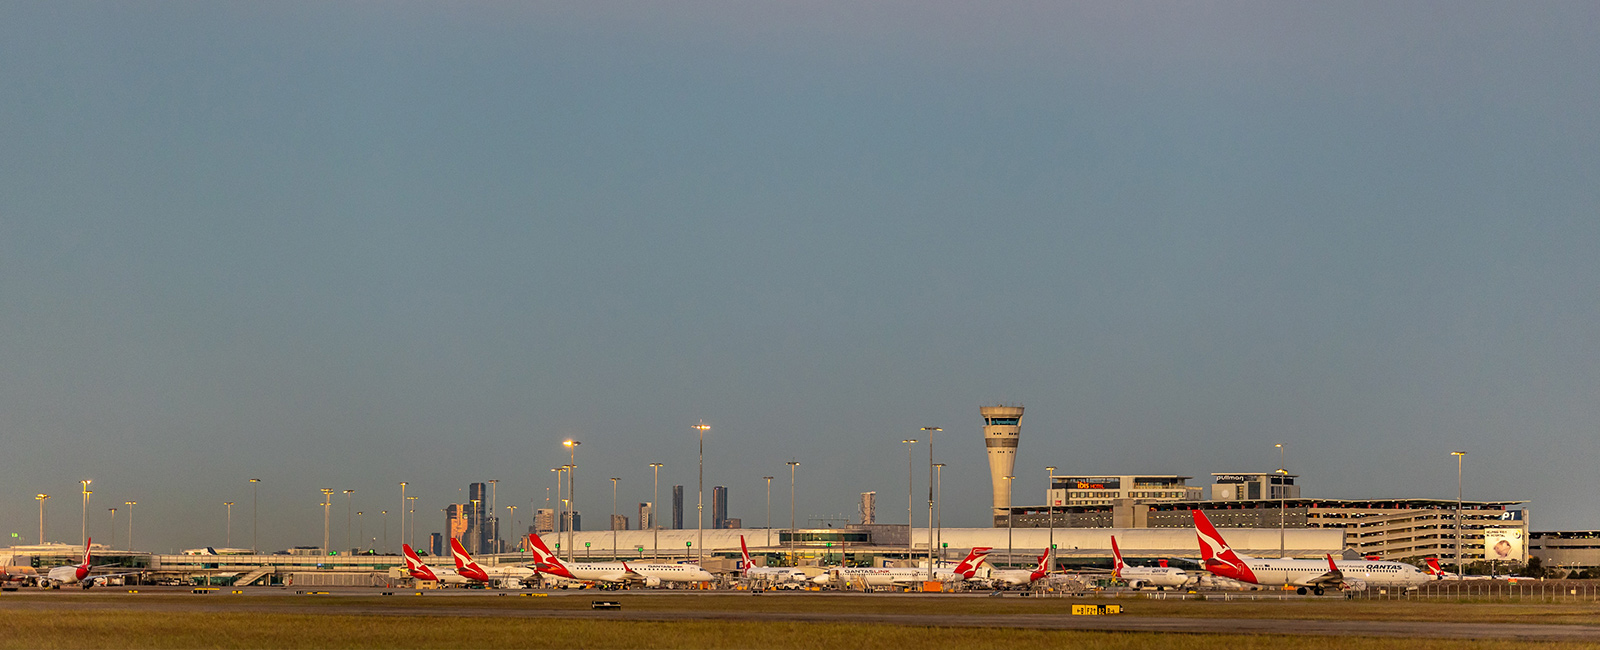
x: 1433, y: 567
x: 746, y: 551
x: 465, y: 565
x: 86, y: 558
x: 969, y: 565
x: 415, y: 565
x: 1044, y: 563
x: 1213, y: 549
x: 1116, y: 555
x: 543, y: 556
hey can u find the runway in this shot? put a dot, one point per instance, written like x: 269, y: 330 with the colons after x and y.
x: 683, y: 607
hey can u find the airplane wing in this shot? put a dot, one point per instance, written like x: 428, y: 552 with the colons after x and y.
x: 1333, y: 577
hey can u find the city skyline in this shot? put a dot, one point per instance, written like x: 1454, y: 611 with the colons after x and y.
x: 344, y: 246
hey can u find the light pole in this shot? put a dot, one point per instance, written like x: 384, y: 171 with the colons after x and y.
x: 412, y: 534
x: 385, y: 532
x: 1459, y: 455
x: 1050, y: 503
x: 655, y: 502
x: 513, y: 510
x: 930, y: 431
x: 228, y: 537
x: 572, y: 496
x: 938, y: 508
x: 113, y: 527
x: 327, y: 499
x: 404, y: 539
x: 910, y: 498
x: 494, y: 505
x: 86, y: 494
x: 130, y: 505
x: 614, y: 480
x: 255, y: 512
x: 361, y: 530
x: 473, y: 515
x: 792, y: 465
x: 1283, y: 475
x: 1010, y: 510
x: 558, y: 510
x: 700, y: 493
x: 347, y: 518
x: 41, y: 497
x: 768, y: 479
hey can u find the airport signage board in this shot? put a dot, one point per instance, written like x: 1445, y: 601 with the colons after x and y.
x: 1505, y: 544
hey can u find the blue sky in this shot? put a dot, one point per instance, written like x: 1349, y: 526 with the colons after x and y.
x: 346, y: 245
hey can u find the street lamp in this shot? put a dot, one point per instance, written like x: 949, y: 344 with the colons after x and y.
x: 572, y: 497
x: 1459, y: 455
x: 558, y: 511
x: 327, y: 499
x: 494, y: 518
x: 385, y: 532
x: 130, y: 505
x: 86, y: 494
x: 347, y: 518
x: 938, y: 508
x: 403, y: 537
x: 513, y: 510
x: 113, y: 527
x: 228, y: 538
x: 41, y: 497
x: 413, y: 518
x: 361, y: 528
x: 655, y: 502
x: 910, y: 499
x: 930, y: 431
x: 255, y: 519
x: 614, y: 480
x: 1283, y: 491
x: 792, y: 465
x: 1050, y: 503
x: 700, y: 492
x: 769, y: 510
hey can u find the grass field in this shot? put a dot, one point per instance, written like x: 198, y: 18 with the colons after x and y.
x: 112, y: 629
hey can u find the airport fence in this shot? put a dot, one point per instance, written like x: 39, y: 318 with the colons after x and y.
x: 1492, y: 590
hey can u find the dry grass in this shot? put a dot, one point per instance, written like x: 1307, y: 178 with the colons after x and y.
x: 113, y: 629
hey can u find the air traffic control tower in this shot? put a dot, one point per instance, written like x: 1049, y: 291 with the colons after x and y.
x: 1001, y: 427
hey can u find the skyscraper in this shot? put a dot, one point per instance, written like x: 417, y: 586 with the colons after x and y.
x: 677, y: 507
x: 647, y: 516
x: 477, y: 527
x: 719, y: 507
x: 544, y: 520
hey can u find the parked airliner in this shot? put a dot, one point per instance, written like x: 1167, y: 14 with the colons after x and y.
x: 649, y: 574
x: 1304, y: 575
x: 1138, y: 576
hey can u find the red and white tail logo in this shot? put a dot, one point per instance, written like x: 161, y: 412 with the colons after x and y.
x: 465, y: 566
x: 1043, y: 569
x: 969, y: 565
x: 83, y: 569
x: 546, y: 561
x: 1116, y: 561
x: 415, y: 566
x: 1433, y: 567
x: 746, y: 550
x: 1215, y: 554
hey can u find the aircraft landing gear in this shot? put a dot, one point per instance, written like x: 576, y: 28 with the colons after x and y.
x: 1301, y: 591
x: 1317, y: 591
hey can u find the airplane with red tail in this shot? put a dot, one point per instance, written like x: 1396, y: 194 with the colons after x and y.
x: 650, y: 574
x: 1305, y: 575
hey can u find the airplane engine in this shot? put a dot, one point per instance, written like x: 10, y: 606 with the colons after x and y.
x: 652, y: 581
x: 1135, y: 584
